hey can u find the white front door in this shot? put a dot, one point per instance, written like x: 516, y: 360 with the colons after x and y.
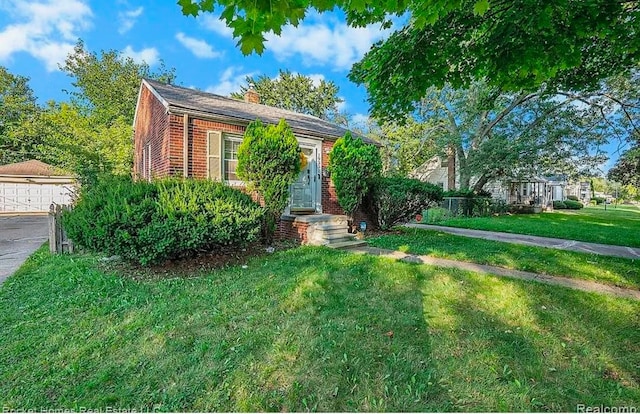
x: 304, y: 194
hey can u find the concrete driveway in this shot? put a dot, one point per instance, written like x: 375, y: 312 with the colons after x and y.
x: 20, y: 236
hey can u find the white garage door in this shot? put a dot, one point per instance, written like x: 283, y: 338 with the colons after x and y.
x: 23, y: 197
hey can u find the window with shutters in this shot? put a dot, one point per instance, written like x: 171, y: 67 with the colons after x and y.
x: 222, y: 156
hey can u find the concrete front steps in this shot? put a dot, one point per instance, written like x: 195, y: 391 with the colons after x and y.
x: 329, y: 230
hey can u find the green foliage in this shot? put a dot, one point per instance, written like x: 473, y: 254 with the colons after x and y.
x: 148, y: 223
x: 467, y: 193
x: 627, y: 168
x: 520, y: 44
x: 107, y: 85
x: 19, y: 140
x: 269, y: 162
x: 395, y: 200
x: 572, y: 197
x: 598, y: 200
x: 435, y: 215
x: 571, y: 45
x: 559, y: 205
x: 406, y: 144
x: 91, y: 149
x: 567, y: 204
x: 295, y: 92
x: 496, y: 135
x: 353, y: 164
x: 573, y: 205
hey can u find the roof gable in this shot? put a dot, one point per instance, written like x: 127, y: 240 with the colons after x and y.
x: 32, y: 168
x: 179, y: 99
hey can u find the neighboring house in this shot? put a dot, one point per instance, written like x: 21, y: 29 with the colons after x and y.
x: 190, y: 133
x: 562, y: 188
x: 32, y: 186
x: 538, y: 191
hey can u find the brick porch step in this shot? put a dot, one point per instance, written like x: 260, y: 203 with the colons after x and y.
x: 347, y: 244
x: 328, y: 230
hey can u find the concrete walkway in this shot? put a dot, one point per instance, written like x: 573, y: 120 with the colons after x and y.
x: 20, y: 236
x: 562, y: 244
x: 578, y: 284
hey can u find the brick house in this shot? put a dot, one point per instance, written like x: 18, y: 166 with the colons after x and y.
x: 194, y: 134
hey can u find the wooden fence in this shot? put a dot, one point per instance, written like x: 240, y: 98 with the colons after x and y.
x: 58, y: 240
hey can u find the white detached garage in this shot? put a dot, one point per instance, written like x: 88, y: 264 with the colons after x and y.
x: 32, y: 186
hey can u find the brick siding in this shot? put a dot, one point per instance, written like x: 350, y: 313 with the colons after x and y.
x: 151, y: 127
x: 292, y: 230
x: 165, y: 133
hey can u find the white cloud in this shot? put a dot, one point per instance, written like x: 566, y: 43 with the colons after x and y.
x: 360, y: 120
x: 47, y: 30
x: 316, y: 78
x: 324, y: 43
x: 230, y: 81
x: 149, y: 55
x: 210, y: 22
x: 198, y: 47
x: 342, y: 106
x: 128, y: 19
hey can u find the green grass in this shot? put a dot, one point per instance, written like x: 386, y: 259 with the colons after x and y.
x: 304, y: 330
x: 618, y: 226
x: 603, y: 269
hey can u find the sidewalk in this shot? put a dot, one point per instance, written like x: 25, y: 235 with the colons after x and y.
x: 578, y: 284
x: 562, y: 244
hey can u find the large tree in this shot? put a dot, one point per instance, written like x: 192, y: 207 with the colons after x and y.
x: 517, y: 44
x: 496, y: 135
x: 627, y: 168
x: 295, y: 92
x: 75, y: 142
x: 107, y: 84
x: 19, y: 140
x: 91, y: 135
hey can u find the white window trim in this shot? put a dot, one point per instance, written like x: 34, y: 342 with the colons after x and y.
x: 235, y: 138
x: 224, y: 136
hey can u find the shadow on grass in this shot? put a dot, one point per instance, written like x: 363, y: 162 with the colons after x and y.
x: 520, y: 346
x: 309, y: 329
x: 554, y: 262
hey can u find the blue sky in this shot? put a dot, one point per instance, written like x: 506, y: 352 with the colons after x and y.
x: 35, y: 37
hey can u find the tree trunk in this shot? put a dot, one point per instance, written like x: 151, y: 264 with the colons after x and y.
x: 484, y: 179
x: 451, y: 168
x: 465, y: 175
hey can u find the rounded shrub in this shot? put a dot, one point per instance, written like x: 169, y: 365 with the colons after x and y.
x: 269, y: 161
x: 572, y: 198
x: 573, y: 205
x: 395, y: 200
x: 148, y: 223
x: 353, y: 164
x: 559, y: 205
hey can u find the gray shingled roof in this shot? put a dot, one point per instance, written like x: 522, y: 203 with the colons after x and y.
x: 180, y: 99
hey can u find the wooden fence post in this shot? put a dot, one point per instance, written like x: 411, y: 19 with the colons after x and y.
x: 58, y: 240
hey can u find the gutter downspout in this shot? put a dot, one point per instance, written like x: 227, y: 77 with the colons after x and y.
x: 185, y: 145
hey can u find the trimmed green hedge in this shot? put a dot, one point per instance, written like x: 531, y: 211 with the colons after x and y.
x: 567, y: 205
x: 573, y: 205
x: 148, y: 223
x: 395, y: 200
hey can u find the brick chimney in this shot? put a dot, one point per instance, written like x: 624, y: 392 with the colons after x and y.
x: 251, y: 96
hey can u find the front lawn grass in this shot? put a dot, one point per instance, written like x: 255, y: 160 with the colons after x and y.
x: 618, y: 226
x: 603, y: 269
x: 309, y: 329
